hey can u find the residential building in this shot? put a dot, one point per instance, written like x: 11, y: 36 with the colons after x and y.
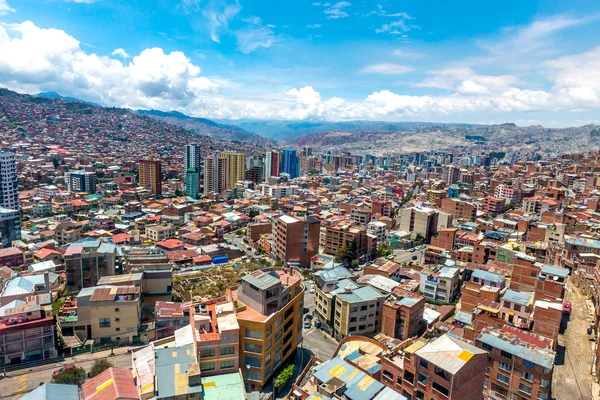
x: 67, y: 232
x: 81, y: 181
x: 493, y: 205
x: 521, y: 363
x: 357, y: 311
x: 150, y: 176
x: 27, y: 330
x: 192, y: 183
x: 88, y: 260
x: 460, y: 210
x: 441, y: 285
x: 111, y: 384
x: 193, y: 157
x: 344, y: 234
x: 419, y: 220
x: 278, y: 191
x: 270, y: 324
x: 10, y: 226
x: 377, y: 229
x: 254, y: 174
x: 216, y: 172
x: 158, y: 233
x: 271, y: 164
x: 9, y: 193
x: 236, y: 170
x: 403, y: 314
x: 295, y: 240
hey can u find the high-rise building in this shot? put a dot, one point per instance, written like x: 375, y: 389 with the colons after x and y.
x: 150, y: 176
x: 192, y: 183
x: 421, y: 220
x: 10, y: 226
x: 81, y: 181
x: 254, y: 174
x: 193, y: 158
x: 9, y: 194
x: 307, y: 151
x: 216, y: 170
x: 237, y: 168
x: 295, y: 240
x: 290, y: 163
x: 271, y: 164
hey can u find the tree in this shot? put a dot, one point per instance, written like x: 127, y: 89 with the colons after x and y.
x: 55, y: 161
x: 239, y: 232
x: 313, y: 171
x: 383, y: 251
x: 419, y: 239
x: 73, y: 376
x: 284, y: 376
x: 346, y: 254
x: 99, y: 366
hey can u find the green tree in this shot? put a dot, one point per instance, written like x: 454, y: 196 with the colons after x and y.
x: 55, y: 161
x: 346, y: 254
x: 100, y: 366
x: 313, y: 171
x: 284, y: 376
x: 73, y: 376
x: 419, y: 239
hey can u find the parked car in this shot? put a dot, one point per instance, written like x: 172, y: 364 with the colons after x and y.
x: 249, y: 248
x: 412, y: 250
x: 567, y: 307
x: 307, y: 323
x: 308, y: 317
x: 312, y: 288
x: 65, y: 368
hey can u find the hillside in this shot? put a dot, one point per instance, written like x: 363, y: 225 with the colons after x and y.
x: 210, y: 128
x: 108, y: 132
x: 505, y: 137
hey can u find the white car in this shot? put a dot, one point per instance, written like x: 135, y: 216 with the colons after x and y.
x: 312, y: 288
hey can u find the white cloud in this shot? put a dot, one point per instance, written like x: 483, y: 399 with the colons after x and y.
x: 383, y: 13
x: 334, y: 11
x: 313, y: 26
x: 81, y: 1
x: 405, y: 54
x: 121, y: 53
x: 250, y: 39
x: 36, y: 59
x: 5, y: 8
x: 218, y: 16
x: 394, y: 28
x: 387, y: 68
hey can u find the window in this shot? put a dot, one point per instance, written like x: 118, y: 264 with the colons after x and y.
x: 253, y: 334
x: 524, y: 388
x: 419, y: 395
x: 517, y: 307
x: 545, y: 383
x: 441, y: 389
x: 543, y: 396
x: 503, y: 378
x: 227, y: 364
x: 506, y: 354
x: 388, y: 375
x: 527, y: 376
x: 117, y: 319
x: 253, y: 348
x: 104, y: 322
x: 225, y: 351
x: 268, y: 359
x: 486, y: 346
x: 207, y: 367
x: 118, y: 329
x: 116, y: 310
x: 422, y: 379
x: 205, y: 353
x: 423, y: 363
x: 504, y: 366
x: 269, y: 330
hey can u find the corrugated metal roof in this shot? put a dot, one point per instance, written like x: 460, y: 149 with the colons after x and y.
x: 488, y: 276
x: 223, y: 387
x: 262, y: 280
x: 556, y: 271
x: 389, y: 394
x: 53, y: 391
x: 336, y: 273
x: 448, y: 353
x: 542, y: 357
x: 522, y: 299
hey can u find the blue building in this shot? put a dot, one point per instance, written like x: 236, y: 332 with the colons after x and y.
x: 290, y: 163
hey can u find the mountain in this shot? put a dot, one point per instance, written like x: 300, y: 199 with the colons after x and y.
x: 106, y: 134
x: 504, y: 137
x: 290, y: 130
x: 210, y: 128
x: 54, y: 95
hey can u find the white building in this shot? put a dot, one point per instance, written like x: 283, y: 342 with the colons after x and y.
x: 81, y: 181
x: 277, y: 191
x: 9, y: 194
x: 377, y: 228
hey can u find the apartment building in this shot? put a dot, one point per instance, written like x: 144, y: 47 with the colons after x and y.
x: 278, y: 191
x: 343, y: 234
x: 459, y: 209
x: 236, y: 170
x: 295, y: 240
x: 216, y: 172
x: 441, y: 285
x: 27, y: 330
x: 150, y: 176
x: 435, y: 196
x: 81, y: 181
x: 158, y: 233
x: 419, y: 220
x: 377, y: 229
x: 358, y: 311
x: 67, y: 232
x: 403, y: 314
x: 103, y: 313
x: 269, y: 313
x: 88, y: 260
x: 493, y: 205
x: 10, y: 226
x: 521, y: 363
x: 508, y: 193
x: 9, y: 186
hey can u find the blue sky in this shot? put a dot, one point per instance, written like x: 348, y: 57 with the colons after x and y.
x: 449, y: 61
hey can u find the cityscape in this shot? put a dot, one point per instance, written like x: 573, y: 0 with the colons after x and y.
x: 168, y: 235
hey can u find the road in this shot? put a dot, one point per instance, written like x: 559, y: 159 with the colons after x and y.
x: 315, y: 340
x: 401, y: 256
x: 572, y: 377
x: 17, y: 383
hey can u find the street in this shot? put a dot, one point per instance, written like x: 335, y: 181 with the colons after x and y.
x: 18, y: 383
x: 572, y: 374
x: 315, y: 340
x: 406, y: 256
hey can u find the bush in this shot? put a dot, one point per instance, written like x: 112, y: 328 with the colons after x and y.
x: 99, y: 366
x: 284, y: 376
x: 73, y: 376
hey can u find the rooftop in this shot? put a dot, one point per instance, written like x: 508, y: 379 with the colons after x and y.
x: 449, y: 353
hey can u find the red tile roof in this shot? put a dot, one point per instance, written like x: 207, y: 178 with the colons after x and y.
x: 112, y: 384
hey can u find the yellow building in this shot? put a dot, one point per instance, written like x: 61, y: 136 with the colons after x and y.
x: 237, y: 168
x: 269, y: 305
x: 150, y: 176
